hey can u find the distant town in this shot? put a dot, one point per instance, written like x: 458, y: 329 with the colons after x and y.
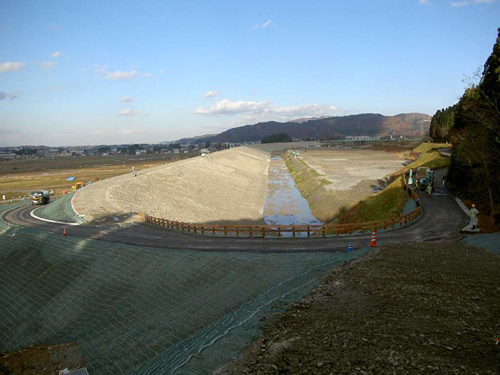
x: 27, y: 152
x: 23, y: 152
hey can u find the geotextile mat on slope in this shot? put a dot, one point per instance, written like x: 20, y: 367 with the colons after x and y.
x: 131, y: 308
x: 406, y: 309
x: 58, y: 210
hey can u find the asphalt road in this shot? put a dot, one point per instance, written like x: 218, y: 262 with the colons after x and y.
x: 441, y: 219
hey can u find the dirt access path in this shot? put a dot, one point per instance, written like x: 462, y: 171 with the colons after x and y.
x: 404, y: 309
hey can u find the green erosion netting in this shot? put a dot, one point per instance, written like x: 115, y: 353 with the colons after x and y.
x: 487, y: 241
x: 4, y: 226
x: 143, y: 310
x: 58, y: 210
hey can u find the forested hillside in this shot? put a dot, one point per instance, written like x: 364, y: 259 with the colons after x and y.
x: 441, y: 124
x: 475, y: 161
x: 406, y: 124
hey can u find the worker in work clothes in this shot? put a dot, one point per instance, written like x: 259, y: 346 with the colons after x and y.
x: 429, y: 191
x: 473, y: 216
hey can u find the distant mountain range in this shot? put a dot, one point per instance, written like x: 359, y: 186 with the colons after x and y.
x: 406, y: 124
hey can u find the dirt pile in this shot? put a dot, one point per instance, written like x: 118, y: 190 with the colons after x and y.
x: 422, y: 308
x: 41, y: 359
x: 225, y: 186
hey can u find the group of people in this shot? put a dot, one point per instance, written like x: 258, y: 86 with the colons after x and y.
x: 473, y: 212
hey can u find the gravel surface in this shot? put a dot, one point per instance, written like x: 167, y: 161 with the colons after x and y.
x: 227, y: 186
x: 413, y: 309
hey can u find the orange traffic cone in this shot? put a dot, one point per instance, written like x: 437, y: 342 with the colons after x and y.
x: 373, y: 242
x: 64, y: 232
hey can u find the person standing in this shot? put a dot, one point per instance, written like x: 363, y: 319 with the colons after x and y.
x: 473, y: 216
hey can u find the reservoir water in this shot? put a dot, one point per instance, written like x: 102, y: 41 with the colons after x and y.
x: 284, y: 204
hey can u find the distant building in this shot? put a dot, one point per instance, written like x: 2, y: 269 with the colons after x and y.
x: 7, y: 156
x: 362, y: 138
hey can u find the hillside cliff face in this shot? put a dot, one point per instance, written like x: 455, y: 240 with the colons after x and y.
x: 407, y: 124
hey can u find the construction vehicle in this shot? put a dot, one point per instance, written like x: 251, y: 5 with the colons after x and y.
x: 425, y: 177
x: 40, y: 197
x: 77, y: 185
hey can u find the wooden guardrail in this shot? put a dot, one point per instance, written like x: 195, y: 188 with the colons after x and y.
x: 263, y: 231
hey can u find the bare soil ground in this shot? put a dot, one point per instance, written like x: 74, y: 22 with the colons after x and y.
x: 41, y: 359
x: 404, y: 309
x: 347, y: 168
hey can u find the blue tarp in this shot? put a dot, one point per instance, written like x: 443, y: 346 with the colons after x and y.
x: 70, y: 179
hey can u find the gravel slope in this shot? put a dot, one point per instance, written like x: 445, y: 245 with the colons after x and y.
x: 227, y: 186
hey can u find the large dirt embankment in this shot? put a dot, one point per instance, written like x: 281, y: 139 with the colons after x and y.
x: 227, y: 186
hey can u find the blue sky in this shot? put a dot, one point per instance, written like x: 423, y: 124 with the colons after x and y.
x: 100, y: 72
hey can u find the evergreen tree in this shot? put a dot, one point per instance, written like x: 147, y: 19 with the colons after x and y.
x: 475, y: 162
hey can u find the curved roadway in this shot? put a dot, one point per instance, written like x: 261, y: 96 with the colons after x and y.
x: 441, y: 219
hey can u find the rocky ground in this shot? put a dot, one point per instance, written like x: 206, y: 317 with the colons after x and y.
x: 404, y: 309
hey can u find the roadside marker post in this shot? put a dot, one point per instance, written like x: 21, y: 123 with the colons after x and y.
x: 373, y: 242
x: 64, y: 233
x: 349, y: 249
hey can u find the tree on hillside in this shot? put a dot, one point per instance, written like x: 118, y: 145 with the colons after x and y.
x: 475, y: 162
x: 277, y: 138
x: 441, y: 123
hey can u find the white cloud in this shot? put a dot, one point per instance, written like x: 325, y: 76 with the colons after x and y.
x: 263, y: 26
x: 11, y: 66
x: 126, y: 98
x: 103, y: 71
x: 98, y: 132
x: 210, y: 94
x: 227, y: 107
x: 128, y: 112
x: 49, y: 64
x: 55, y: 54
x: 426, y: 2
x: 117, y: 75
x: 266, y: 24
x: 470, y: 2
x: 265, y: 111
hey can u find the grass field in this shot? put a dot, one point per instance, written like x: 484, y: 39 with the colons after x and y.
x: 426, y: 155
x: 386, y: 204
x: 19, y: 177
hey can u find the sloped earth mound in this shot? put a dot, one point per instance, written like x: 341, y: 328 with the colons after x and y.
x: 417, y: 309
x: 226, y: 186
